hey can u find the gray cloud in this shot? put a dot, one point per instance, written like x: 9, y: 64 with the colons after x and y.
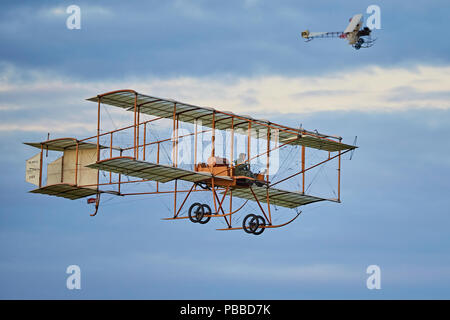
x: 173, y: 38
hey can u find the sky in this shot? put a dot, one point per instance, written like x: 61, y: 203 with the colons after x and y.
x: 246, y: 57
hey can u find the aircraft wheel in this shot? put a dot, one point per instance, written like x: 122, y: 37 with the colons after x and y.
x: 250, y: 223
x: 196, y: 212
x: 261, y: 224
x: 207, y: 211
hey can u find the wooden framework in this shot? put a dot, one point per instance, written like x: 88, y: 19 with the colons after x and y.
x: 217, y: 176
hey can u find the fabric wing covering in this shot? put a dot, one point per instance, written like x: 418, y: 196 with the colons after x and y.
x: 64, y: 144
x: 67, y: 191
x: 150, y: 171
x: 167, y: 108
x: 282, y: 198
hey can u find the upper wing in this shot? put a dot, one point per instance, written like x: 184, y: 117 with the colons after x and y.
x: 353, y: 23
x: 151, y: 171
x: 220, y: 120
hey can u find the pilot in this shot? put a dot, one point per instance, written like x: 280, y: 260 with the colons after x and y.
x: 241, y: 159
x: 242, y: 168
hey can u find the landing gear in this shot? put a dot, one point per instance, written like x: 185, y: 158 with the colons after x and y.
x: 359, y: 44
x: 197, y: 213
x: 261, y: 225
x: 206, y: 211
x: 366, y: 42
x: 254, y: 224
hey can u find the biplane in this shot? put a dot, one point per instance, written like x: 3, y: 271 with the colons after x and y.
x: 110, y: 161
x: 357, y: 36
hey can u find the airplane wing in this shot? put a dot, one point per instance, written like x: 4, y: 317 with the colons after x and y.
x: 282, y: 198
x: 352, y: 26
x: 165, y: 173
x: 66, y: 190
x: 166, y: 108
x: 151, y: 171
x: 62, y: 144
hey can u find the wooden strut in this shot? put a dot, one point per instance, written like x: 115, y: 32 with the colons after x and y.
x: 76, y: 166
x: 110, y: 154
x: 303, y: 168
x: 97, y: 200
x: 175, y: 198
x: 120, y: 176
x: 145, y: 140
x: 220, y: 205
x: 184, y: 201
x: 214, y: 194
x: 268, y: 205
x: 137, y: 132
x: 98, y: 143
x: 231, y: 203
x: 134, y: 127
x: 259, y: 204
x: 173, y: 134
x: 195, y: 146
x: 267, y: 175
x: 216, y: 199
x: 339, y: 178
x: 40, y: 166
x: 176, y: 144
x: 48, y: 138
x: 221, y: 201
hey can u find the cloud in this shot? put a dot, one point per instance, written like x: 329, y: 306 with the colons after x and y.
x: 372, y: 89
x: 59, y: 11
x: 191, y: 9
x: 9, y: 107
x: 56, y: 11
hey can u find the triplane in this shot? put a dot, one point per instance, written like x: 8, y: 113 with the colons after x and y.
x: 104, y: 164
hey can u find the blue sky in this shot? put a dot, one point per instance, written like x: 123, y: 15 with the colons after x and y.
x: 247, y: 57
